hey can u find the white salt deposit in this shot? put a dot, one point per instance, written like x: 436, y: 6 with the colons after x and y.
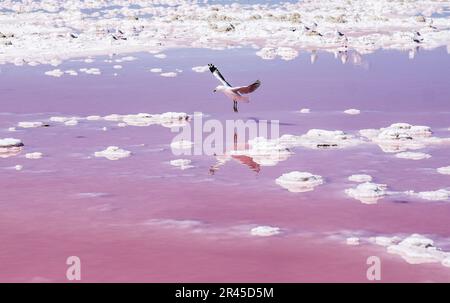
x: 160, y: 56
x: 416, y: 249
x: 113, y: 153
x: 83, y: 28
x: 169, y: 74
x: 352, y: 111
x: 35, y: 155
x: 298, y: 182
x: 367, y: 193
x: 265, y: 231
x: 54, y: 73
x: 401, y: 137
x: 18, y: 167
x: 117, y: 66
x: 444, y: 170
x: 26, y: 124
x: 305, y: 111
x: 436, y: 195
x: 200, y: 69
x: 71, y: 122
x: 10, y: 142
x: 156, y: 70
x: 413, y: 155
x: 352, y: 241
x: 360, y: 178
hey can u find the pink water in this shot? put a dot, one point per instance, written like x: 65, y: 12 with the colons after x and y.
x: 70, y: 203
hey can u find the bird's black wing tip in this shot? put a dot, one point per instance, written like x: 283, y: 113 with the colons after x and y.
x: 212, y: 68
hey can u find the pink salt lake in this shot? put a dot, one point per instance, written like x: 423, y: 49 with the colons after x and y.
x: 141, y: 219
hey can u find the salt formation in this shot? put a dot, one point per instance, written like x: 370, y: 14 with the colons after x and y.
x: 27, y: 124
x: 10, y: 147
x: 415, y: 249
x: 305, y: 111
x: 54, y: 73
x: 352, y: 241
x: 181, y: 163
x: 265, y: 231
x: 168, y: 74
x: 35, y: 155
x: 352, y: 111
x: 368, y: 192
x: 436, y: 195
x: 87, y: 28
x: 412, y: 155
x: 321, y: 139
x: 113, y: 153
x: 169, y: 119
x: 360, y: 178
x: 400, y: 137
x: 298, y: 182
x: 200, y: 69
x: 18, y: 167
x: 156, y: 70
x: 444, y: 170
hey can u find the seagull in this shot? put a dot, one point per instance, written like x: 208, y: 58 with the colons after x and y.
x: 234, y: 93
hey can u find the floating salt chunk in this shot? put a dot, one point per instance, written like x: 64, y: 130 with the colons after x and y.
x: 287, y: 53
x: 181, y: 144
x: 181, y: 163
x: 320, y: 139
x: 71, y: 122
x: 352, y: 241
x: 71, y: 72
x: 436, y: 195
x: 26, y: 124
x: 385, y: 241
x: 92, y: 71
x: 88, y: 60
x: 367, y: 193
x: 60, y: 119
x: 200, y: 69
x: 267, y: 53
x: 265, y: 231
x: 417, y: 249
x: 413, y: 155
x: 113, y: 153
x: 104, y: 128
x: 12, y: 129
x: 156, y: 70
x: 93, y: 118
x: 35, y: 155
x: 117, y: 66
x: 160, y: 56
x: 113, y: 117
x: 169, y: 74
x: 446, y: 262
x: 352, y: 111
x: 54, y: 73
x: 402, y: 137
x: 305, y: 111
x: 122, y: 124
x: 360, y: 178
x: 10, y: 142
x: 128, y: 58
x: 298, y: 182
x: 444, y: 170
x: 18, y: 167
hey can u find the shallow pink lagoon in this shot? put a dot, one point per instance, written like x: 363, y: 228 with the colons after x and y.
x: 141, y: 219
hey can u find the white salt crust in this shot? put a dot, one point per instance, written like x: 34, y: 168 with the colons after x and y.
x: 367, y: 192
x: 352, y: 111
x: 265, y: 231
x: 354, y: 241
x: 444, y: 170
x: 113, y: 153
x: 200, y: 69
x: 298, y: 182
x: 181, y: 163
x: 413, y: 155
x: 281, y: 30
x: 35, y: 155
x: 305, y: 111
x: 414, y: 249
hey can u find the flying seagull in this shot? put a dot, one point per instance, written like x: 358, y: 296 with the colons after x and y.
x: 234, y: 93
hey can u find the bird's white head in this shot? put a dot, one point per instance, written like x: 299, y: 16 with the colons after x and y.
x: 219, y: 88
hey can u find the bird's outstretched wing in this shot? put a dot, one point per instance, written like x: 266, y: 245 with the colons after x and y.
x: 247, y: 89
x: 218, y: 75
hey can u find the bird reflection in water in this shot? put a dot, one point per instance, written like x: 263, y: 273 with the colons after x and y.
x: 241, y: 158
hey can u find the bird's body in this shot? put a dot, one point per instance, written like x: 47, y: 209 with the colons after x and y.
x: 235, y: 93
